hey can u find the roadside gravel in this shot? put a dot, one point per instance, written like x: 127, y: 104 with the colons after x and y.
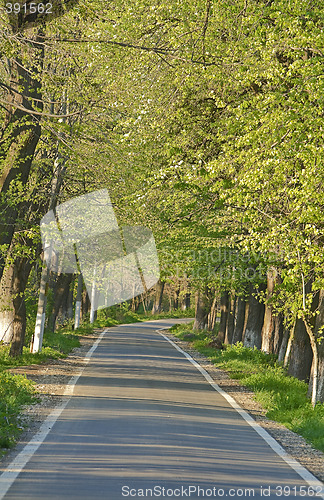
x: 51, y: 380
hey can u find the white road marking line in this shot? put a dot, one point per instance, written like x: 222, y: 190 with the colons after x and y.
x: 311, y: 480
x: 10, y: 474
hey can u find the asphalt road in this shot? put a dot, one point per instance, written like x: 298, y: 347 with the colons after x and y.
x: 144, y: 422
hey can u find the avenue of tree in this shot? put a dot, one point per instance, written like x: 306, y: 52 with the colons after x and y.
x: 204, y: 120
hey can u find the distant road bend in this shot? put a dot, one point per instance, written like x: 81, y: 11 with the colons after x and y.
x: 143, y: 421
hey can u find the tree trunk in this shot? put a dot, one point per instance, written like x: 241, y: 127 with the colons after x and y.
x: 22, y: 268
x: 78, y: 300
x: 170, y: 299
x: 230, y: 320
x: 201, y: 310
x: 317, y: 385
x: 176, y: 297
x: 185, y: 295
x: 85, y: 303
x: 69, y: 310
x: 212, y: 316
x: 240, y: 318
x: 272, y: 332
x: 224, y: 306
x: 186, y: 304
x: 61, y: 294
x: 94, y: 292
x: 142, y: 300
x: 320, y: 375
x: 252, y: 334
x: 247, y: 306
x: 7, y: 313
x: 19, y: 329
x: 301, y: 355
x: 157, y: 306
x: 19, y: 135
x: 272, y: 329
x: 37, y: 338
x: 63, y: 304
x: 284, y: 346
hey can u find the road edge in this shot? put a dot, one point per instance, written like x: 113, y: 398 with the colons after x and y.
x: 11, y: 472
x: 305, y: 474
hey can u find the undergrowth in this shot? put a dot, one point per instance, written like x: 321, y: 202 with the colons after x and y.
x: 284, y: 397
x: 15, y: 392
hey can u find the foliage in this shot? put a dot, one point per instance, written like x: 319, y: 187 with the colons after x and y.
x: 203, y: 122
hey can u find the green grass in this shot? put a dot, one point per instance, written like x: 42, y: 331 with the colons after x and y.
x: 284, y: 397
x: 15, y: 392
x: 176, y: 313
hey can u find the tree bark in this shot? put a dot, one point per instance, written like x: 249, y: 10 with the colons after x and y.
x: 301, y: 355
x: 252, y: 334
x: 284, y: 345
x: 201, y: 310
x: 85, y: 303
x: 318, y: 385
x: 7, y: 313
x: 19, y: 135
x: 186, y: 303
x: 157, y: 306
x: 230, y: 320
x: 63, y: 313
x: 224, y: 305
x: 70, y: 299
x: 212, y: 316
x: 78, y: 300
x: 61, y: 293
x: 272, y: 332
x: 93, y: 298
x: 272, y: 329
x: 240, y: 318
x: 170, y: 293
x: 176, y: 298
x: 37, y: 338
x: 22, y: 268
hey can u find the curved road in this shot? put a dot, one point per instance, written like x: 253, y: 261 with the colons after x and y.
x: 143, y: 422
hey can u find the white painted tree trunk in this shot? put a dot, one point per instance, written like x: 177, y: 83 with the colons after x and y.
x: 77, y: 316
x: 37, y: 340
x: 93, y: 297
x: 7, y: 313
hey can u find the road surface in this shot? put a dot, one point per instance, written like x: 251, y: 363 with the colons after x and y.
x: 143, y: 422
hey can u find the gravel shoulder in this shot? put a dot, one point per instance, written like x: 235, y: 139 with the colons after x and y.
x: 51, y: 380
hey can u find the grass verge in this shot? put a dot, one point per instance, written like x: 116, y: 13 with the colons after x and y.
x: 15, y: 392
x: 284, y: 397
